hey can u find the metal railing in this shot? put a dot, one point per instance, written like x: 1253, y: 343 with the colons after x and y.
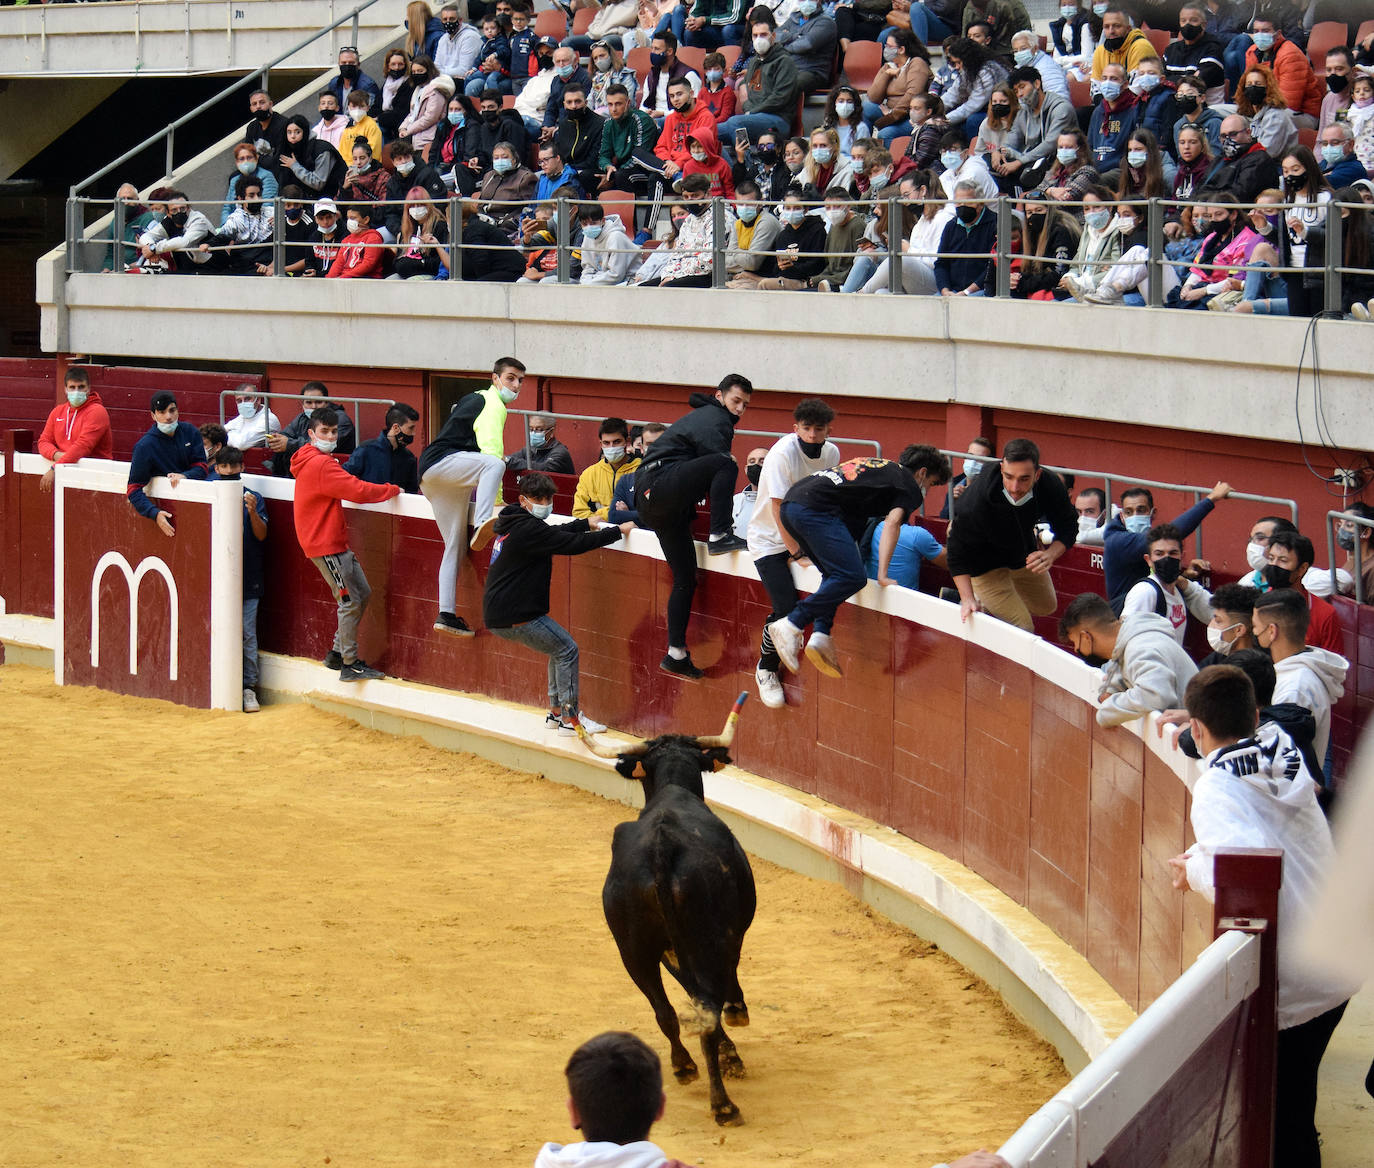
x: 356, y: 402
x: 1358, y: 551
x: 1107, y: 478
x: 259, y: 75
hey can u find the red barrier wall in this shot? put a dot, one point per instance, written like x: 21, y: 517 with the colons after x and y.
x: 26, y: 534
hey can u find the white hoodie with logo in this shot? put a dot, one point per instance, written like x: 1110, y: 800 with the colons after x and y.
x: 1257, y: 794
x: 1312, y: 679
x: 641, y: 1154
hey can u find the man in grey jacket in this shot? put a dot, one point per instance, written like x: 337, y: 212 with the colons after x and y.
x: 1143, y: 667
x: 810, y: 35
x: 752, y: 231
x: 1029, y: 150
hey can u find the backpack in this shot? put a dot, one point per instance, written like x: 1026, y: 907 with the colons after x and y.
x: 1161, y: 601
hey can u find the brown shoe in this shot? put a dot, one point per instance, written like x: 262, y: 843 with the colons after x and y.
x: 482, y: 536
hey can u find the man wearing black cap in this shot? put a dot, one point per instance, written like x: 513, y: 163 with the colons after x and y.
x: 171, y: 447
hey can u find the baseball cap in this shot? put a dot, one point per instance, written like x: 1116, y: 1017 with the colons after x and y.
x: 326, y: 205
x: 162, y: 399
x: 549, y: 42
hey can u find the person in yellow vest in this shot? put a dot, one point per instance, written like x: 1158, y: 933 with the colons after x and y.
x: 464, y: 465
x: 596, y: 485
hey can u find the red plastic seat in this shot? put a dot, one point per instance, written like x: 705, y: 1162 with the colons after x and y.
x: 551, y: 23
x: 1325, y: 36
x: 862, y: 61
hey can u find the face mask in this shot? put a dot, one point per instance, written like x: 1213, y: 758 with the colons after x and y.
x: 1068, y: 11
x: 328, y: 115
x: 507, y: 395
x: 999, y: 111
x: 491, y: 117
x: 1190, y: 32
x: 762, y: 44
x: 1187, y: 102
x: 247, y: 166
x: 1086, y: 523
x: 418, y: 214
x: 1137, y: 158
x: 613, y: 453
x: 768, y: 154
x: 322, y: 446
x: 1113, y: 44
x: 808, y: 7
x: 541, y: 510
x: 844, y: 109
x: 354, y: 225
x: 1110, y: 90
x: 502, y: 165
x: 747, y: 213
x: 1217, y: 639
x: 355, y: 115
x: 77, y: 398
x: 247, y: 409
x: 1137, y: 524
x: 1100, y: 9
x: 451, y: 26
x: 1126, y: 224
x: 1146, y: 83
x: 419, y: 78
x: 1021, y: 502
x: 1293, y: 182
x: 834, y: 216
x: 565, y: 71
x: 1337, y: 84
x: 395, y: 74
x: 1277, y: 577
x: 577, y: 114
x: 969, y: 215
x: 168, y: 428
x: 1066, y: 154
x: 592, y: 231
x: 951, y: 159
x: 1363, y: 102
x: 1097, y: 220
x: 264, y: 116
x: 1264, y: 41
x: 603, y: 64
x: 699, y: 155
x: 1256, y: 555
x: 889, y: 51
x: 1233, y: 149
x: 1332, y: 155
x: 348, y: 72
x: 538, y: 437
x: 404, y: 440
x: 876, y: 182
x: 714, y: 76
x: 822, y: 155
x: 656, y: 60
x: 1345, y: 540
x: 971, y: 468
x: 793, y: 216
x: 795, y: 166
x: 1254, y: 94
x: 1023, y: 57
x: 455, y: 117
x: 1166, y: 570
x: 752, y: 473
x: 811, y: 449
x: 404, y: 168
x: 293, y: 216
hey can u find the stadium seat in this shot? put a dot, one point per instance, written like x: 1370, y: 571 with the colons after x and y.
x: 620, y: 203
x: 1307, y: 138
x: 1326, y: 35
x: 1366, y: 29
x: 582, y: 20
x: 897, y: 148
x: 638, y: 60
x: 551, y: 23
x: 731, y: 54
x: 861, y: 63
x: 1080, y: 93
x: 1158, y: 37
x: 693, y: 58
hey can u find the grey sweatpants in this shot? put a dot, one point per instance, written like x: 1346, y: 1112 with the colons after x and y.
x: 450, y: 486
x: 345, y: 578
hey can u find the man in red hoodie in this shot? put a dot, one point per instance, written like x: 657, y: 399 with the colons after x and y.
x: 80, y: 429
x: 689, y: 117
x: 320, y: 485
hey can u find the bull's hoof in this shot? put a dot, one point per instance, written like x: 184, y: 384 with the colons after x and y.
x: 728, y: 1115
x: 735, y: 1014
x: 731, y: 1065
x: 687, y: 1073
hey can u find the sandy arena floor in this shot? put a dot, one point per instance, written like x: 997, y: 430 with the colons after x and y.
x: 284, y: 940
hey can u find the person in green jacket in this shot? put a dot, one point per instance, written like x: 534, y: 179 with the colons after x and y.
x: 627, y: 160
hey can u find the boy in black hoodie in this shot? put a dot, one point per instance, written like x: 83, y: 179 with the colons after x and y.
x: 692, y: 459
x: 515, y: 604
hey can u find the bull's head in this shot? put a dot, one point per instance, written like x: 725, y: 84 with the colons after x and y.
x: 710, y: 754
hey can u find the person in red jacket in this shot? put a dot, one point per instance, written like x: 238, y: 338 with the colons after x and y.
x: 705, y: 159
x: 321, y: 484
x: 80, y: 429
x: 1298, y: 83
x: 717, y: 94
x: 360, y: 254
x: 688, y: 117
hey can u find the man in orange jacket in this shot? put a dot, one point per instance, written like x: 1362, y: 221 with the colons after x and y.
x: 1298, y: 83
x: 80, y: 429
x: 321, y: 484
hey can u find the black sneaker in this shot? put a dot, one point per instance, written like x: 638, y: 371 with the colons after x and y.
x: 681, y: 668
x: 455, y: 626
x: 332, y: 660
x: 360, y: 671
x: 730, y: 543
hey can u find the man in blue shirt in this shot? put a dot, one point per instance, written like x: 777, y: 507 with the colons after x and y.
x: 386, y: 458
x: 1124, y: 544
x: 914, y: 544
x: 172, y: 448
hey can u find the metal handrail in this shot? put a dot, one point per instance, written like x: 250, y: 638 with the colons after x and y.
x: 224, y: 394
x: 261, y: 74
x: 1108, y: 478
x: 1332, y: 518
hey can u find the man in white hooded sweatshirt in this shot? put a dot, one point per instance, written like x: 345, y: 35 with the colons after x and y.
x: 1303, y: 674
x: 1256, y: 793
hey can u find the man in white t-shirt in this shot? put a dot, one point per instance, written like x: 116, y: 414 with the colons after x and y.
x: 1163, y: 591
x: 746, y: 500
x: 792, y: 458
x: 253, y: 421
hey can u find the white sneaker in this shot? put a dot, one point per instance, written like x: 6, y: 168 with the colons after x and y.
x: 591, y: 725
x: 787, y: 640
x: 770, y: 689
x: 1077, y: 289
x: 1360, y: 311
x: 820, y: 651
x: 250, y: 701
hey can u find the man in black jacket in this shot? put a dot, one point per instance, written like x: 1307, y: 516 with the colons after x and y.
x: 1197, y: 51
x: 492, y: 125
x: 267, y: 130
x: 578, y: 136
x: 314, y: 394
x: 515, y: 602
x: 387, y: 459
x: 1012, y: 524
x: 1248, y: 167
x: 691, y: 460
x: 544, y: 451
x: 411, y: 171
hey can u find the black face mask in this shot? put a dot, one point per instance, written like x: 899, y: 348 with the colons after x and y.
x: 403, y: 440
x: 395, y: 72
x: 577, y: 114
x: 264, y: 116
x: 177, y: 220
x: 811, y: 449
x: 1113, y: 43
x: 752, y: 473
x: 1293, y: 182
x: 293, y: 216
x: 418, y: 78
x: 1190, y: 32
x: 1166, y: 570
x: 452, y: 26
x: 1277, y: 577
x: 1092, y: 659
x: 1187, y: 102
x: 328, y: 115
x: 694, y: 206
x: 348, y: 72
x: 968, y: 215
x: 230, y: 478
x: 1000, y: 111
x: 1337, y: 84
x: 491, y: 117
x: 768, y: 154
x: 1254, y: 94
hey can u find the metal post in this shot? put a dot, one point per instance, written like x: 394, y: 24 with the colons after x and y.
x: 71, y: 236
x: 718, y: 272
x: 1003, y: 247
x: 171, y: 137
x: 355, y: 28
x: 278, y: 237
x: 894, y: 245
x: 1335, y: 252
x: 121, y: 216
x: 455, y: 237
x: 1154, y: 232
x: 564, y: 236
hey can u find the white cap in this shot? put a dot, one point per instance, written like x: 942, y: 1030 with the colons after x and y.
x: 326, y: 205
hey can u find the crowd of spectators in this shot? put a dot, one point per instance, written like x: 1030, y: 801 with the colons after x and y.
x: 1076, y: 135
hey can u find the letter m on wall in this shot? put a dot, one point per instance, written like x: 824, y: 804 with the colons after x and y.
x: 134, y: 577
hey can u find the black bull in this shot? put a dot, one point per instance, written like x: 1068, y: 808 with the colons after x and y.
x: 680, y: 893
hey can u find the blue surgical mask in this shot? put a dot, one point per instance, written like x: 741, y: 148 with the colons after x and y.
x: 747, y: 213
x: 1332, y: 155
x: 1021, y: 502
x: 951, y: 159
x: 565, y: 71
x: 502, y: 165
x: 592, y: 231
x: 1264, y: 41
x: 793, y: 216
x: 1138, y: 524
x: 1066, y: 154
x: 168, y: 428
x: 541, y: 510
x: 1137, y: 158
x: 455, y: 117
x: 822, y: 155
x: 971, y: 468
x: 76, y: 398
x: 247, y: 409
x: 537, y: 439
x: 714, y: 75
x: 1146, y: 83
x: 1023, y: 57
x: 1111, y: 90
x: 808, y: 7
x: 1068, y: 11
x: 1097, y: 220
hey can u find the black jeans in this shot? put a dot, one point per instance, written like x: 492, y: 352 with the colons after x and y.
x: 1295, y: 1102
x: 666, y: 499
x: 776, y: 573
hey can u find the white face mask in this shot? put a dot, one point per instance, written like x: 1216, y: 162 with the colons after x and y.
x: 699, y: 155
x: 418, y: 214
x: 405, y: 167
x: 354, y: 225
x: 844, y: 108
x: 76, y: 398
x: 322, y: 446
x: 1022, y: 501
x: 1256, y: 555
x: 247, y: 409
x: 507, y: 395
x: 541, y: 510
x: 355, y: 115
x: 168, y: 428
x: 1086, y: 523
x: 971, y: 467
x: 1217, y: 639
x: 762, y: 44
x: 613, y: 453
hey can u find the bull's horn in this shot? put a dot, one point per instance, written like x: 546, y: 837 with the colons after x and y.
x: 726, y: 736
x: 632, y: 751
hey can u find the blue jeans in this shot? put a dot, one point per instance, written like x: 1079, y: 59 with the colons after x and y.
x: 830, y: 544
x: 250, y: 642
x: 711, y: 36
x: 1133, y: 300
x: 547, y: 636
x: 676, y: 20
x: 1233, y: 57
x: 486, y: 83
x: 859, y: 274
x: 755, y: 124
x: 1262, y: 284
x: 926, y: 25
x: 873, y: 111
